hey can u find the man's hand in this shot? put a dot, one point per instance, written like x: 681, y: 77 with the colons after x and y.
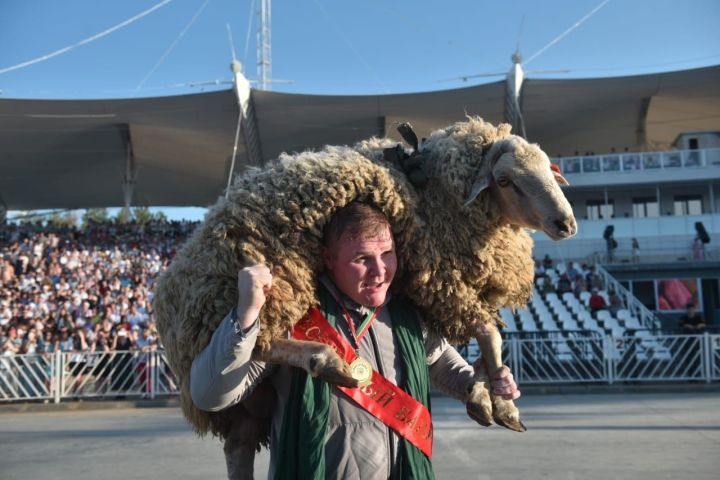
x: 503, y: 384
x: 253, y: 284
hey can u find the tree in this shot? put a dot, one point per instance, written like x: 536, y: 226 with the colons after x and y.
x: 124, y: 216
x: 65, y: 219
x: 95, y: 215
x: 142, y: 215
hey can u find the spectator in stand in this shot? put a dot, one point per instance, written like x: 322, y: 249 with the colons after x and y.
x: 539, y: 270
x: 564, y: 284
x: 635, y: 250
x: 547, y: 262
x: 580, y: 285
x: 572, y: 272
x: 698, y: 249
x: 692, y: 322
x: 597, y: 302
x: 593, y: 280
x: 63, y: 283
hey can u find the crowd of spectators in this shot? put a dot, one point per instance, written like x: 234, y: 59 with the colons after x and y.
x: 82, y: 289
x: 573, y: 279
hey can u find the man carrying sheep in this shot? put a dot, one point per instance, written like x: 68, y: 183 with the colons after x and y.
x: 378, y: 428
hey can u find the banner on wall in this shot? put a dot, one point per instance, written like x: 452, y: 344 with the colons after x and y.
x: 675, y: 294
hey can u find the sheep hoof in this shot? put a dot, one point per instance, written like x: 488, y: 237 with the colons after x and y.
x: 478, y: 405
x: 506, y: 414
x: 327, y: 365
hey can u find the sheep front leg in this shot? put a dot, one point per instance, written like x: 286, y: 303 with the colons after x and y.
x: 318, y: 359
x: 505, y: 412
x: 478, y: 404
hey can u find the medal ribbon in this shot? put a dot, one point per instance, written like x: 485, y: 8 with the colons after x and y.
x: 381, y: 398
x: 364, y: 325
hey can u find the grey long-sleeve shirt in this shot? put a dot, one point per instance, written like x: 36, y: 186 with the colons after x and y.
x: 358, y: 446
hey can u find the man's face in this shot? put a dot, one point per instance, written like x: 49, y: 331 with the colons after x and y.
x: 363, y: 268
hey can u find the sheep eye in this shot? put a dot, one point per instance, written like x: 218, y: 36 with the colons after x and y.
x: 503, y: 182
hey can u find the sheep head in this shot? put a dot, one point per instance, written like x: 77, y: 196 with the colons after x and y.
x: 524, y: 188
x: 485, y: 167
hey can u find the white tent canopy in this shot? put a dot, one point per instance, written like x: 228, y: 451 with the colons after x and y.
x: 176, y: 151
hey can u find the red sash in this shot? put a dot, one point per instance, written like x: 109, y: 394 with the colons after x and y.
x: 381, y: 398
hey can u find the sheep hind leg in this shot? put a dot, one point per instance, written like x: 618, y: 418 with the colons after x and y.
x: 505, y: 412
x: 318, y: 359
x: 240, y: 447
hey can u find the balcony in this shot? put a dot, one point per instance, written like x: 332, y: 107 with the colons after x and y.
x: 641, y: 167
x: 669, y: 237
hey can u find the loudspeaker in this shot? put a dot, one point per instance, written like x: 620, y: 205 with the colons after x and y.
x: 701, y: 232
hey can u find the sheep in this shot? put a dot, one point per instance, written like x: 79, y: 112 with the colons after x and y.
x: 460, y: 239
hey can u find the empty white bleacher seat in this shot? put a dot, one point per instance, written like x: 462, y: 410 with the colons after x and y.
x: 633, y: 322
x: 611, y: 323
x: 585, y: 297
x: 617, y: 331
x: 603, y: 315
x: 568, y: 297
x: 623, y: 314
x: 652, y: 347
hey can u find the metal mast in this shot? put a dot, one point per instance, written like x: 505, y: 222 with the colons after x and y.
x: 264, y: 48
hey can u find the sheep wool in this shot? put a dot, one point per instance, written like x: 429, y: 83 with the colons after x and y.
x: 458, y: 263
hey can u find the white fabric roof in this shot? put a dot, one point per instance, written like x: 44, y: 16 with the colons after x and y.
x: 73, y: 153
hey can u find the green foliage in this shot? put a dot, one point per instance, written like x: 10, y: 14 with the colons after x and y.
x: 97, y: 215
x: 65, y: 219
x: 124, y: 216
x: 142, y: 215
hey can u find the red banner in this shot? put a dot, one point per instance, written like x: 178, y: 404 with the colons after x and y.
x: 382, y: 398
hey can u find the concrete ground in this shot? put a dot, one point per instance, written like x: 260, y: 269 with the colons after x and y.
x: 590, y: 436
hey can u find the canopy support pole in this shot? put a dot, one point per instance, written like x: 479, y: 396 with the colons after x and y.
x: 247, y: 123
x: 128, y: 178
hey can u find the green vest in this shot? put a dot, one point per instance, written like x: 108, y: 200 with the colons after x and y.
x: 301, y: 449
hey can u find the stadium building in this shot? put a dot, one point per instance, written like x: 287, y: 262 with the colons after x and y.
x: 641, y: 153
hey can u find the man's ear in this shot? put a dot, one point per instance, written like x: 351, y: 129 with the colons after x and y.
x: 327, y: 256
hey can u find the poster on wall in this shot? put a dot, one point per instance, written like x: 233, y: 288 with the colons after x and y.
x: 675, y: 294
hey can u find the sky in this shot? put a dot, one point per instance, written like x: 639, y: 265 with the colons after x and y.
x: 113, y: 49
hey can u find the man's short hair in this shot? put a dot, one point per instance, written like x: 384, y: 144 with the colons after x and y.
x: 356, y: 219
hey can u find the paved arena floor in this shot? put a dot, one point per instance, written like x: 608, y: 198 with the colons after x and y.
x: 603, y: 436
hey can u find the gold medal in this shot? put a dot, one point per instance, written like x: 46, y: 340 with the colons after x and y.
x: 362, y: 371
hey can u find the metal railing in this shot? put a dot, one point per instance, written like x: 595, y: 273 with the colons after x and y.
x: 557, y: 359
x: 660, y: 358
x: 73, y: 375
x: 636, y: 307
x: 639, y: 161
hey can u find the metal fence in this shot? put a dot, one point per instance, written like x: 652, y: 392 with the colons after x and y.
x: 558, y: 359
x: 73, y: 375
x: 561, y: 359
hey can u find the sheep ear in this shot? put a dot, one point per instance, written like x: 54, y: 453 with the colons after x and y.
x: 558, y: 175
x: 406, y: 130
x: 414, y: 168
x: 561, y: 180
x: 480, y: 184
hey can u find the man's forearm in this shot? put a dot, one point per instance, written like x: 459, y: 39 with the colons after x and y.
x: 223, y: 373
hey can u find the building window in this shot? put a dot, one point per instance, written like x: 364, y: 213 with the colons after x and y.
x: 598, y: 209
x: 645, y: 292
x: 645, y: 207
x: 688, y: 205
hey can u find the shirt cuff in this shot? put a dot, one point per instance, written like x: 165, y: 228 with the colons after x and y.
x: 242, y: 333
